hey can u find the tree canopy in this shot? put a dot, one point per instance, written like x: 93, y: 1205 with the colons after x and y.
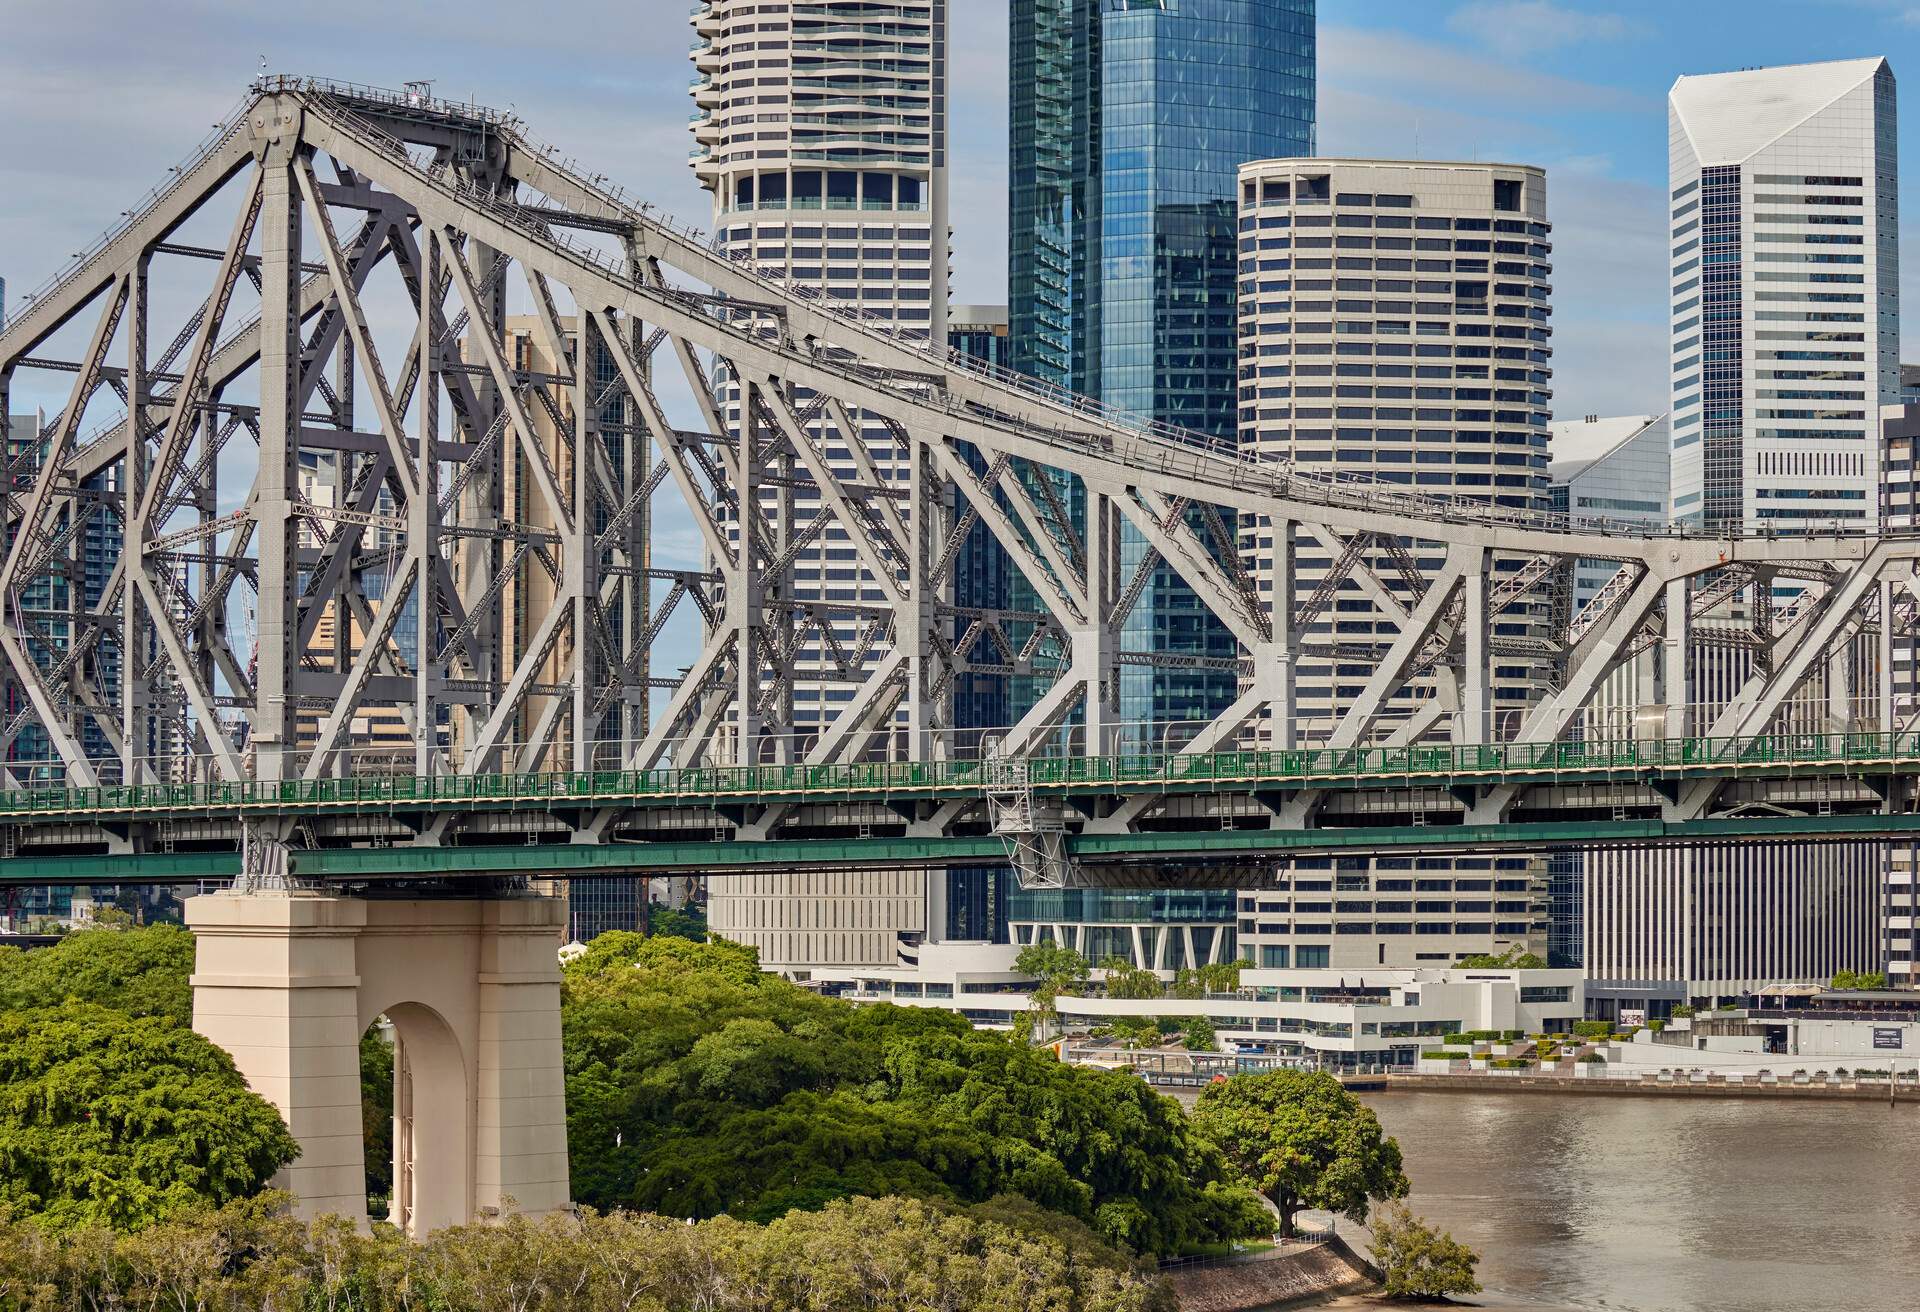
x: 142, y: 972
x: 1511, y: 959
x: 114, y: 1120
x: 1417, y: 1261
x: 697, y: 1085
x: 1303, y: 1141
x: 879, y: 1255
x: 1850, y: 980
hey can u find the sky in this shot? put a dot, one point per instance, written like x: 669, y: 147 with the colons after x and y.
x: 98, y: 97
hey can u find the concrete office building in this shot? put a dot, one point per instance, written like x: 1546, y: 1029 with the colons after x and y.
x: 1394, y: 323
x: 821, y: 134
x: 1606, y: 472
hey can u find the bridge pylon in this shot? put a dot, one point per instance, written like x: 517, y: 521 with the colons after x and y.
x: 287, y: 981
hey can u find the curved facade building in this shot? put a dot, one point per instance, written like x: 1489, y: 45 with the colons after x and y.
x: 821, y: 134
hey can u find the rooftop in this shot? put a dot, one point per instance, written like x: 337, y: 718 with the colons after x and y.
x: 1729, y: 117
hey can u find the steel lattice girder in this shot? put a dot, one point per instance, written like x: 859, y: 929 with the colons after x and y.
x: 329, y: 185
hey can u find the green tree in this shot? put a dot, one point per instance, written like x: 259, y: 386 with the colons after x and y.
x: 1213, y: 977
x: 1201, y: 1036
x: 376, y: 1116
x: 1851, y: 980
x: 1126, y: 980
x: 688, y: 922
x: 112, y: 1120
x: 1418, y: 1261
x: 142, y: 972
x: 1302, y: 1140
x: 1057, y: 970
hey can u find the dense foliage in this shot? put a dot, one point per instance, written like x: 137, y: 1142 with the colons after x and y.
x: 1511, y: 959
x: 142, y: 972
x: 1417, y: 1261
x: 1850, y: 980
x: 885, y: 1255
x: 697, y: 1085
x: 1303, y: 1141
x: 688, y: 922
x: 114, y: 1120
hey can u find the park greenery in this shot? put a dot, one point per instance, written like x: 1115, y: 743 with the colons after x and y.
x: 879, y: 1255
x: 807, y: 1150
x: 1303, y: 1141
x: 1415, y: 1260
x: 699, y: 1086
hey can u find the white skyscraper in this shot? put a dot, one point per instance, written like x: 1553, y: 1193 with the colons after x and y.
x: 1785, y: 292
x: 1785, y: 286
x: 821, y: 133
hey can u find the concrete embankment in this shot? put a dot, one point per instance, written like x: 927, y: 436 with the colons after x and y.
x: 1274, y: 1280
x: 1482, y: 1082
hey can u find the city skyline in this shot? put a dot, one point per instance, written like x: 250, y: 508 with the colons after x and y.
x: 1578, y: 89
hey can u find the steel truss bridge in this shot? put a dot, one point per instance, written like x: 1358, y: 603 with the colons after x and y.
x: 486, y: 575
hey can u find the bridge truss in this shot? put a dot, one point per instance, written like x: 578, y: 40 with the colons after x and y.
x: 482, y: 569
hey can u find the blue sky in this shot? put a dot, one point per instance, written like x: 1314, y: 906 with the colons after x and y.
x: 100, y: 95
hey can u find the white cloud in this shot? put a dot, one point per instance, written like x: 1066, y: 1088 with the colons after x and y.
x: 1526, y: 27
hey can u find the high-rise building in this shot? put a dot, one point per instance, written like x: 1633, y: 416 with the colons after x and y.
x: 1394, y: 323
x: 821, y: 134
x: 969, y: 903
x: 1785, y: 292
x: 1128, y: 126
x: 1602, y: 473
x: 1785, y: 265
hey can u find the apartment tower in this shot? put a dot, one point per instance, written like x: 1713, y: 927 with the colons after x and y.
x: 1394, y: 324
x: 821, y: 134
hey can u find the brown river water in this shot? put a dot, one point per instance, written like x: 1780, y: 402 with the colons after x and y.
x: 1670, y: 1205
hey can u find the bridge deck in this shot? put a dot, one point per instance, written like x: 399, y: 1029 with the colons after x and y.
x: 1438, y: 766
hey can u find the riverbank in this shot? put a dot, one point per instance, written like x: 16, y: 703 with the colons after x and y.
x: 1304, y: 1276
x: 1907, y: 1095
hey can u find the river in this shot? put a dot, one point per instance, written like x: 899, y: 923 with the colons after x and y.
x: 1670, y: 1204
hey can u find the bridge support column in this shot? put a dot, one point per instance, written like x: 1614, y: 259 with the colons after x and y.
x: 288, y: 982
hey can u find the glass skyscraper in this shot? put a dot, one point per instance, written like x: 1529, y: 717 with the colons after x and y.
x: 1129, y: 124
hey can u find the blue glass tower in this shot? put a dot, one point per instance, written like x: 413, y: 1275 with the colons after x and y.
x: 1129, y: 121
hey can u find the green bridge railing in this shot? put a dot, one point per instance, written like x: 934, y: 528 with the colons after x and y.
x: 1436, y: 764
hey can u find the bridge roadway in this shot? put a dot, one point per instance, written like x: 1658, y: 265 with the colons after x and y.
x: 1179, y: 819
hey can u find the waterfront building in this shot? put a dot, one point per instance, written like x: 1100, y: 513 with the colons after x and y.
x: 1394, y: 324
x: 820, y: 132
x: 1608, y: 473
x: 1784, y: 348
x: 1128, y: 124
x: 1336, y: 1019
